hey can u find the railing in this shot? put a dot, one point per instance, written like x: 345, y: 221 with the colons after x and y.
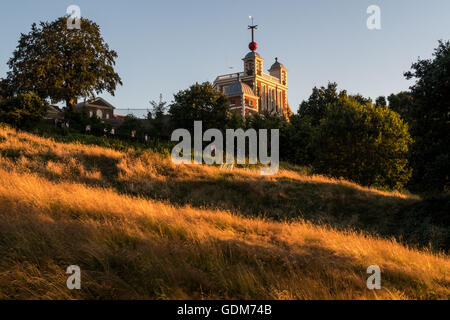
x: 271, y: 78
x: 229, y: 76
x: 139, y: 113
x: 233, y: 76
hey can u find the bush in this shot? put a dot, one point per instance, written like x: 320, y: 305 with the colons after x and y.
x: 23, y: 111
x: 79, y: 120
x: 363, y: 143
x: 130, y: 124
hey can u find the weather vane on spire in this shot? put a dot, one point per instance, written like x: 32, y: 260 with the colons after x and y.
x: 253, y: 45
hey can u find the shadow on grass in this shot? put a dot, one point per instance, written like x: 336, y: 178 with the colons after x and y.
x: 119, y: 265
x: 416, y: 222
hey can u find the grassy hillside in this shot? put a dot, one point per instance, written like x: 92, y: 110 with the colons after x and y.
x: 139, y: 227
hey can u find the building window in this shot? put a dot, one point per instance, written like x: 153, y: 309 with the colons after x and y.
x: 107, y: 116
x: 91, y: 113
x: 100, y: 114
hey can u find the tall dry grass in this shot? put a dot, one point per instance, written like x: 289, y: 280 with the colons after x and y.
x: 130, y: 247
x: 140, y: 227
x: 289, y: 195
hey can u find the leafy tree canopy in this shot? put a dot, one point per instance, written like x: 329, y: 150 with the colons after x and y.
x: 431, y: 120
x: 402, y: 103
x: 363, y: 143
x: 200, y: 102
x: 63, y: 64
x: 321, y: 99
x: 158, y: 109
x: 381, y: 101
x: 23, y: 111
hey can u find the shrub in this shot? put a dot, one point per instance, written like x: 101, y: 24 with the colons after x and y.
x: 23, y: 111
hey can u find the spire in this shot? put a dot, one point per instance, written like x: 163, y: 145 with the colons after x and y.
x: 253, y: 45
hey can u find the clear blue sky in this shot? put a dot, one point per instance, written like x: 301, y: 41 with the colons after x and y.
x: 165, y: 46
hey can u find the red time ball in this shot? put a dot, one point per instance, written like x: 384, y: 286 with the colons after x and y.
x: 253, y: 46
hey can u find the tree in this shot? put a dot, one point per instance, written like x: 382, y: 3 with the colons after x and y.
x: 381, y: 101
x: 296, y: 141
x: 363, y: 143
x: 131, y: 123
x: 235, y: 121
x: 402, y: 103
x: 315, y: 107
x: 430, y: 156
x: 23, y: 111
x: 160, y: 124
x: 79, y: 120
x: 321, y: 99
x: 62, y: 64
x: 266, y: 120
x: 200, y: 102
x: 158, y: 109
x: 3, y: 94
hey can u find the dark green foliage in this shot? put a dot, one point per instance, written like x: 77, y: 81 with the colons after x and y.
x: 23, y: 111
x: 70, y: 135
x: 315, y: 107
x: 200, y: 102
x: 363, y: 143
x: 79, y: 120
x: 358, y: 98
x: 430, y: 127
x: 5, y: 89
x: 235, y: 121
x: 402, y: 103
x: 158, y: 110
x: 265, y: 121
x: 159, y: 120
x: 426, y: 222
x: 381, y: 102
x: 63, y: 64
x: 296, y: 141
x: 130, y: 124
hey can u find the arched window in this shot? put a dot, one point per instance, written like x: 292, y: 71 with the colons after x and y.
x: 90, y: 113
x: 100, y: 114
x: 107, y: 116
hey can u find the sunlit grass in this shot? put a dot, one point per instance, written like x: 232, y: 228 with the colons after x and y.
x: 124, y: 219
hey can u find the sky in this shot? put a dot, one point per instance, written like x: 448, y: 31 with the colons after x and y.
x: 166, y: 46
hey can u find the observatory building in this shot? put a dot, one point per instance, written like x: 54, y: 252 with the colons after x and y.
x: 253, y: 90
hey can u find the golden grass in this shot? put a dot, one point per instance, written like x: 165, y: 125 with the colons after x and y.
x: 31, y: 149
x: 70, y: 204
x: 134, y: 248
